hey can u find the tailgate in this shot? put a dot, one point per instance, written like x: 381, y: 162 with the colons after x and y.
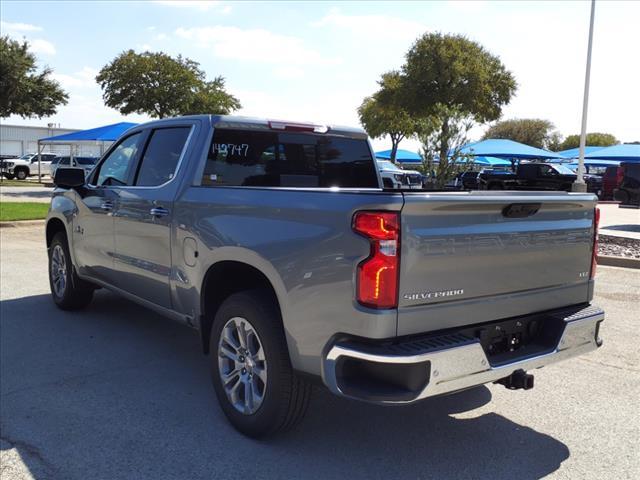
x: 472, y: 257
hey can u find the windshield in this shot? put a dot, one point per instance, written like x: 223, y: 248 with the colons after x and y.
x: 563, y: 169
x: 26, y: 156
x: 387, y: 165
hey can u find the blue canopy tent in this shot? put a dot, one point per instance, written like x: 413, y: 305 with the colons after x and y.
x: 625, y: 152
x: 99, y: 135
x: 501, y: 148
x: 488, y: 161
x: 108, y: 133
x: 575, y: 152
x: 402, y: 156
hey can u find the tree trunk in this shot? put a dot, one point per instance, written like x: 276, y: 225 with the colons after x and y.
x: 443, y: 163
x: 394, y: 148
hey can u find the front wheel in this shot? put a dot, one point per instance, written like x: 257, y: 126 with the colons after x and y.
x: 251, y: 371
x: 21, y: 174
x: 68, y: 291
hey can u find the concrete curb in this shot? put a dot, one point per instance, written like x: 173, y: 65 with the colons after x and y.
x: 624, y: 262
x: 22, y: 223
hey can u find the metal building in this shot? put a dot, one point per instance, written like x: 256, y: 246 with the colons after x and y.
x: 16, y: 140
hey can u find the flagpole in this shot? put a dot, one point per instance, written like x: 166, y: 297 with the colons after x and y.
x: 579, y: 185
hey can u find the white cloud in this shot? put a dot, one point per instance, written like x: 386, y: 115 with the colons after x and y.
x: 288, y: 72
x: 366, y: 26
x: 144, y: 47
x: 22, y: 31
x: 161, y: 36
x: 226, y: 9
x: 39, y: 45
x: 8, y: 27
x: 254, y: 45
x: 81, y: 79
x: 202, y: 5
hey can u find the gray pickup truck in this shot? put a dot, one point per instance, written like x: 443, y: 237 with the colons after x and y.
x: 278, y: 244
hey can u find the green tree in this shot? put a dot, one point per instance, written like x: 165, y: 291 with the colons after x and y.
x: 382, y: 114
x: 161, y: 86
x: 594, y: 139
x: 24, y: 91
x: 530, y: 131
x: 452, y: 130
x: 452, y: 81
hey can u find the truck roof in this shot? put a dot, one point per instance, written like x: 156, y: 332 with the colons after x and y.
x: 237, y: 121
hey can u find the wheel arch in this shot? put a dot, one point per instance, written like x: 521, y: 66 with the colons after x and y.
x: 54, y: 225
x: 225, y: 278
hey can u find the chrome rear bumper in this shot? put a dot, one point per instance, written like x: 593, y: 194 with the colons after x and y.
x: 451, y: 364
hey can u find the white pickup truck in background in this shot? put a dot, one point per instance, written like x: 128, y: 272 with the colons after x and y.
x: 26, y: 165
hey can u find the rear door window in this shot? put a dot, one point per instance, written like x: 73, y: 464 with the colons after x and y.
x: 161, y: 156
x: 273, y: 159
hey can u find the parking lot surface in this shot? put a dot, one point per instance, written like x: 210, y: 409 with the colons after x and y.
x: 118, y: 392
x: 28, y: 193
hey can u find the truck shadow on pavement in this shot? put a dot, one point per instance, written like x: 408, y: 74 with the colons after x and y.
x: 116, y: 391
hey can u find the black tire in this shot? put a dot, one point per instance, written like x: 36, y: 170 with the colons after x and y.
x: 9, y: 176
x: 21, y: 173
x: 285, y: 395
x: 75, y: 294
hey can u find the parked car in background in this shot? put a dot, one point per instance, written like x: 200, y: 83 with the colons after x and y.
x: 611, y: 180
x: 278, y: 243
x: 537, y: 176
x: 86, y: 163
x: 628, y: 193
x: 26, y: 166
x: 397, y: 178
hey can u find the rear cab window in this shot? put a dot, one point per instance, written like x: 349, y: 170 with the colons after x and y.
x: 288, y: 159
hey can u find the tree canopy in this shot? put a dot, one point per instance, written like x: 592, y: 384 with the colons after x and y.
x: 382, y: 114
x: 159, y: 85
x: 454, y: 72
x: 24, y: 91
x: 595, y: 139
x: 530, y: 131
x: 451, y: 81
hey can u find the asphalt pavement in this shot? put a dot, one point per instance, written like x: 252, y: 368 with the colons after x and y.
x: 118, y: 392
x: 28, y: 193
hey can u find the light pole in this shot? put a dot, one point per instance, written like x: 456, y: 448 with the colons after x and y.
x: 579, y: 185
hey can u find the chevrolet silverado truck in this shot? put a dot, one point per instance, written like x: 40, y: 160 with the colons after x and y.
x: 278, y: 244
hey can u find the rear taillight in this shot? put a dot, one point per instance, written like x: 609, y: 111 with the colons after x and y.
x: 594, y: 256
x: 377, y: 276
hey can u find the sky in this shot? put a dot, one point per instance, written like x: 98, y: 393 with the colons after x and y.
x: 316, y: 61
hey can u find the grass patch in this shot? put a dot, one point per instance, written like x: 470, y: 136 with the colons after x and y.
x: 20, y: 183
x: 11, y: 211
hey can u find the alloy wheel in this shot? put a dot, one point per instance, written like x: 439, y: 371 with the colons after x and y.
x: 242, y: 365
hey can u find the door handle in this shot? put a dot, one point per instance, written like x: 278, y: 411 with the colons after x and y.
x: 106, y: 206
x: 159, y: 212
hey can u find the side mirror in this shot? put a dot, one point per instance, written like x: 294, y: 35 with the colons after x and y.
x: 69, y: 177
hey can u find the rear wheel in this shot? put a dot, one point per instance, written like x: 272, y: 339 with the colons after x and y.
x: 251, y: 371
x: 68, y: 291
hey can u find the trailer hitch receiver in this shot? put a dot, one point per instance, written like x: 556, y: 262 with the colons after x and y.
x: 517, y: 380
